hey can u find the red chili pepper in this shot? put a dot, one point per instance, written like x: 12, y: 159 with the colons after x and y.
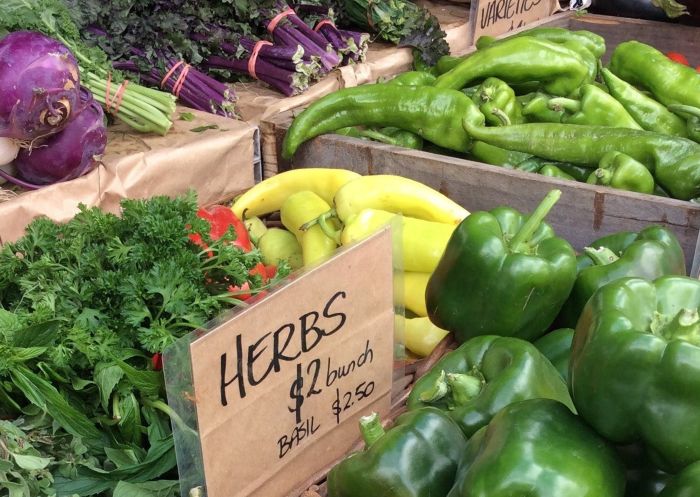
x: 677, y: 57
x: 157, y: 361
x: 697, y: 68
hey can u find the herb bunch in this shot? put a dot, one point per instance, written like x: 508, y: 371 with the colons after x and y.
x: 83, y: 308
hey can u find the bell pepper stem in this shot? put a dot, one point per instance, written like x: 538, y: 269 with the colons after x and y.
x: 437, y: 391
x: 534, y: 220
x: 371, y: 428
x: 684, y: 109
x: 604, y: 176
x: 322, y: 221
x: 601, y: 256
x: 502, y: 116
x: 685, y: 325
x: 464, y: 387
x: 562, y: 103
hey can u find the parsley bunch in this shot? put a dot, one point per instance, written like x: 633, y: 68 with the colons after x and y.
x: 83, y: 307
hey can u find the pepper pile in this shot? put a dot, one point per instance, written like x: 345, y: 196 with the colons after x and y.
x: 606, y: 410
x: 544, y: 104
x: 322, y: 209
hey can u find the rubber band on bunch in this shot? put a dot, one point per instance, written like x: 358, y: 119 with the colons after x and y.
x: 254, y: 57
x: 112, y: 103
x: 180, y: 81
x: 324, y: 22
x: 276, y: 20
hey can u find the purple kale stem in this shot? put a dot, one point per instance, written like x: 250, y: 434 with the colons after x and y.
x: 286, y: 37
x: 283, y: 52
x: 332, y: 34
x: 308, y: 32
x: 272, y: 77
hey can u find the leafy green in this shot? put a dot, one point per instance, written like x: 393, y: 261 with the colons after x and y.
x: 84, y: 306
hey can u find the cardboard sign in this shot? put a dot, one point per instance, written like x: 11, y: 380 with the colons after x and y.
x: 279, y: 387
x: 495, y: 17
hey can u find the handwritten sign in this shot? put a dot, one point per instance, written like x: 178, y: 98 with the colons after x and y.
x: 495, y: 17
x: 279, y: 388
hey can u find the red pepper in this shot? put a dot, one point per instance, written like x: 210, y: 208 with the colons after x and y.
x: 265, y: 272
x: 221, y: 218
x: 157, y: 361
x: 678, y: 57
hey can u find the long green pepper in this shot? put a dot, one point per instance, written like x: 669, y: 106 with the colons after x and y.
x: 674, y: 161
x: 436, y: 114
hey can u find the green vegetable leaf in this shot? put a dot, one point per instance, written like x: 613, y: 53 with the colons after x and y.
x: 121, y: 457
x: 82, y: 486
x: 186, y: 116
x: 147, y: 382
x: 163, y: 488
x: 42, y: 394
x: 107, y: 377
x: 200, y: 129
x: 31, y: 463
x: 38, y: 335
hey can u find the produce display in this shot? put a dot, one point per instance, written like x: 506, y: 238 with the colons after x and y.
x: 539, y: 101
x: 522, y: 366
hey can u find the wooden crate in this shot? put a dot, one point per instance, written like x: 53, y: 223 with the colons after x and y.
x: 584, y: 213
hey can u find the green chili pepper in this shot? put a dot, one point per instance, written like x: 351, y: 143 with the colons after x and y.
x: 496, y: 101
x: 647, y: 112
x: 435, y: 114
x: 594, y: 107
x: 485, y: 374
x: 693, y: 124
x: 535, y: 108
x: 417, y: 457
x: 413, y: 78
x: 446, y: 63
x: 651, y: 253
x: 552, y: 171
x: 403, y: 138
x: 635, y: 366
x: 556, y: 346
x: 621, y: 171
x: 674, y: 161
x: 586, y: 40
x: 519, y: 60
x: 645, y: 66
x: 684, y: 484
x: 497, y: 156
x: 502, y: 273
x: 538, y: 448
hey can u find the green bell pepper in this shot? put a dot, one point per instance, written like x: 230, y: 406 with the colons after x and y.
x: 556, y: 346
x: 594, y: 107
x: 538, y: 448
x: 684, y: 484
x: 502, y: 273
x: 621, y: 171
x: 643, y: 478
x: 496, y: 101
x: 635, y: 366
x: 674, y: 161
x: 482, y: 376
x: 650, y: 114
x: 417, y: 457
x: 649, y: 254
x: 559, y: 69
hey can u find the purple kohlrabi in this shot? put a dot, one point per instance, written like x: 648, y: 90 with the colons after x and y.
x: 39, y: 86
